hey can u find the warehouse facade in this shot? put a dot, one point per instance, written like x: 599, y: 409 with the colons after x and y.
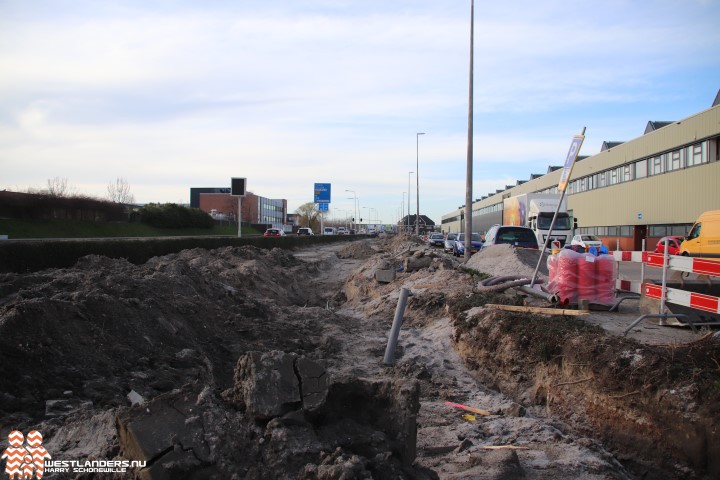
x: 643, y: 189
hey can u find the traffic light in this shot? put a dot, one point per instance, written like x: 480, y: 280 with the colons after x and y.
x: 353, y: 219
x: 361, y: 220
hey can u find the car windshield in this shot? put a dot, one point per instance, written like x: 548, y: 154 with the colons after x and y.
x: 451, y: 236
x: 475, y: 237
x: 511, y: 235
x: 436, y: 235
x: 562, y: 222
x: 590, y: 238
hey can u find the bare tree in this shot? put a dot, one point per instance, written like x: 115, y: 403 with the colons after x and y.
x: 309, y: 215
x: 119, y: 192
x: 58, y: 187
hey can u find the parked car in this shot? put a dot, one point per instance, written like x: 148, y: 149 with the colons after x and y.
x: 475, y: 244
x: 329, y: 231
x: 273, y: 232
x: 341, y: 231
x: 436, y: 239
x: 511, y: 235
x: 449, y: 243
x: 674, y: 242
x: 586, y: 241
x: 305, y: 231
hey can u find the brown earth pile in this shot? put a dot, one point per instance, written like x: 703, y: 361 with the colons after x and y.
x: 247, y: 363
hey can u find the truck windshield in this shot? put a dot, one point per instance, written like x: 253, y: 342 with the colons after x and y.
x: 561, y: 223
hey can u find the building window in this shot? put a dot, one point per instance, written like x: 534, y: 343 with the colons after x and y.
x: 656, y: 166
x: 674, y: 161
x: 602, y: 179
x: 696, y: 155
x: 624, y: 173
x: 680, y: 229
x: 641, y: 169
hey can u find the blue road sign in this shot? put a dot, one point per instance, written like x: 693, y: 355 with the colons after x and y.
x: 323, y: 207
x: 322, y: 193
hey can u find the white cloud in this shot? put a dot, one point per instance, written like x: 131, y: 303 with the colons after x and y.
x: 288, y: 94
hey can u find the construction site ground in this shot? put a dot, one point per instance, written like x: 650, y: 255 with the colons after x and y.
x: 177, y: 363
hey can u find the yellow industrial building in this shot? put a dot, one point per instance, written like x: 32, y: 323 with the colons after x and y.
x: 630, y: 192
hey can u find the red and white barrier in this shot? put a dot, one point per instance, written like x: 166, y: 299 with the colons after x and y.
x: 700, y: 266
x: 698, y: 301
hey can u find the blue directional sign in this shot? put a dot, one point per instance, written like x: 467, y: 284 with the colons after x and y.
x: 323, y: 207
x: 572, y: 155
x: 322, y: 193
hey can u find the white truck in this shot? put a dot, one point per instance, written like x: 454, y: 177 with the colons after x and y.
x: 536, y: 210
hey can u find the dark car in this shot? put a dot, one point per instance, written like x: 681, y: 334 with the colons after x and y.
x: 436, y: 239
x: 511, y: 235
x: 674, y: 242
x: 449, y: 242
x: 475, y: 244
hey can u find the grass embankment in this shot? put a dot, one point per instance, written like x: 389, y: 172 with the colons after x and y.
x: 21, y: 229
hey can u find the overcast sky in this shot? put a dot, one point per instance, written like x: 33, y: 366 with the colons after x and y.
x: 176, y: 94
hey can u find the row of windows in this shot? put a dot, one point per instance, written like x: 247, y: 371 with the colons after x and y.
x: 620, y: 231
x: 627, y: 230
x: 685, y: 157
x: 270, y: 211
x: 489, y: 209
x: 668, y: 230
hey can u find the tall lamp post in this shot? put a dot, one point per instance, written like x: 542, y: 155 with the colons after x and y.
x: 409, y: 192
x: 354, y: 207
x: 417, y: 180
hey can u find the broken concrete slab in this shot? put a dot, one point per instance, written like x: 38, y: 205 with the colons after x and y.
x: 266, y: 384
x: 168, y: 422
x: 385, y: 276
x: 271, y: 384
x: 313, y: 383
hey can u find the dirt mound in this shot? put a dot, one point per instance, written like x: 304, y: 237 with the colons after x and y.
x: 359, y: 250
x: 111, y: 360
x: 500, y: 260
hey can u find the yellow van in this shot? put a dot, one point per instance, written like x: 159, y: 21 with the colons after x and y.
x: 704, y: 237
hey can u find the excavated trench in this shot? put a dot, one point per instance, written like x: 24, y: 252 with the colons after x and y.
x: 183, y: 362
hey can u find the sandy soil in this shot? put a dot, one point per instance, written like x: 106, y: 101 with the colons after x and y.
x: 89, y: 349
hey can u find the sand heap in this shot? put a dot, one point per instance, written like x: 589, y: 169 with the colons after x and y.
x: 497, y: 260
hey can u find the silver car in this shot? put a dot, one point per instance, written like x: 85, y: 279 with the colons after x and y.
x: 450, y: 242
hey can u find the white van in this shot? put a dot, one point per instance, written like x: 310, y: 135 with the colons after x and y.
x: 329, y: 231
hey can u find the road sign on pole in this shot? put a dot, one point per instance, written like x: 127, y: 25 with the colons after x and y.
x: 237, y: 189
x: 570, y: 161
x: 322, y: 193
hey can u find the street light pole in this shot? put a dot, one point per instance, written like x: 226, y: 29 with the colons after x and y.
x: 354, y: 206
x: 417, y: 180
x: 469, y: 161
x: 409, y: 203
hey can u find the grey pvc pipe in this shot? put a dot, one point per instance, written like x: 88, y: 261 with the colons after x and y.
x: 550, y: 297
x: 395, y: 330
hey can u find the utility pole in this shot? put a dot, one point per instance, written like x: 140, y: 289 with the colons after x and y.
x: 469, y: 172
